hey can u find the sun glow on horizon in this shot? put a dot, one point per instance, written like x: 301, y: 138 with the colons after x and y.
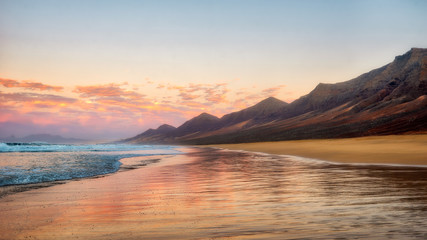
x: 120, y: 104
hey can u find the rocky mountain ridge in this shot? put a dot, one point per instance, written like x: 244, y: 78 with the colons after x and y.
x: 388, y: 100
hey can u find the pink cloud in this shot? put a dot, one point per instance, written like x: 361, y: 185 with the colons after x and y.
x: 188, y: 96
x: 10, y: 83
x: 102, y: 110
x: 108, y: 90
x: 34, y: 97
x: 273, y: 91
x: 207, y: 93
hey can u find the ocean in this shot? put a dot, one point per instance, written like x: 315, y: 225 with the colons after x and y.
x: 26, y: 163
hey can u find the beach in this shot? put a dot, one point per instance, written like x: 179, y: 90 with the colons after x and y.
x: 208, y: 193
x: 392, y: 149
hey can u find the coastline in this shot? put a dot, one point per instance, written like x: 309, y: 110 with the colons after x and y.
x: 48, y: 210
x: 204, y: 192
x: 127, y: 163
x: 391, y: 149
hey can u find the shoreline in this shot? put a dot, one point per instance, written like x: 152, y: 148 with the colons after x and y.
x: 391, y: 149
x: 127, y: 164
x: 203, y: 192
x: 48, y: 204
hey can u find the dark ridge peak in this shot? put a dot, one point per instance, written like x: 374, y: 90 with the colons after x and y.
x: 325, y: 89
x: 206, y: 116
x: 200, y: 119
x: 267, y: 105
x: 322, y: 85
x: 165, y: 127
x: 271, y: 100
x: 260, y: 112
x: 413, y: 53
x: 415, y: 49
x: 202, y: 123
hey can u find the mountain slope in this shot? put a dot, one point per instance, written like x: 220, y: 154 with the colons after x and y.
x: 201, y: 123
x: 205, y: 123
x: 260, y: 112
x: 157, y: 135
x: 397, y: 82
x: 389, y: 100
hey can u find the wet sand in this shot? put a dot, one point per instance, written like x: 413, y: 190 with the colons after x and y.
x: 220, y: 194
x: 104, y: 207
x: 395, y: 149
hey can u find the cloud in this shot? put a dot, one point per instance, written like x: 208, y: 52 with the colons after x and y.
x: 216, y: 94
x: 188, y: 96
x: 10, y: 83
x: 34, y: 97
x: 108, y: 90
x: 273, y: 91
x: 103, y: 110
x: 161, y: 86
x: 26, y: 103
x: 207, y: 94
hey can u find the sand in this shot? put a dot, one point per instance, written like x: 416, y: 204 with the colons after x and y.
x: 112, y: 206
x: 216, y: 194
x: 394, y: 149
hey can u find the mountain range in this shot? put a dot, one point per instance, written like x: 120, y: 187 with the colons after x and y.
x: 388, y: 100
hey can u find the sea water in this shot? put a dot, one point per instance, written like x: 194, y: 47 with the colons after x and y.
x: 25, y: 163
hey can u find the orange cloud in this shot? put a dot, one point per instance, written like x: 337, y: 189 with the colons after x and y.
x: 160, y: 86
x: 216, y: 94
x: 188, y: 96
x: 10, y: 83
x: 34, y: 97
x: 271, y: 92
x: 207, y: 93
x: 108, y: 107
x: 108, y: 90
x: 29, y: 102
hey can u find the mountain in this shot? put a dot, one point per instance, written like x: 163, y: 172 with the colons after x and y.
x: 261, y: 112
x: 207, y: 124
x: 47, y: 138
x: 157, y: 135
x: 166, y: 133
x: 203, y: 122
x: 398, y: 82
x: 388, y: 100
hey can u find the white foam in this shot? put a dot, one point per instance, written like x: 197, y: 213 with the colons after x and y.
x: 41, y: 147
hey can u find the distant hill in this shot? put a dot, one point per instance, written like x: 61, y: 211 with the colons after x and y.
x: 389, y: 100
x: 261, y: 112
x: 47, y: 138
x: 202, y: 123
x: 158, y: 135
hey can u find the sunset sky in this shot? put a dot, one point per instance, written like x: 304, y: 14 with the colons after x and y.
x: 113, y: 69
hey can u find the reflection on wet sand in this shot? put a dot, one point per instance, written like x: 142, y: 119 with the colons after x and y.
x: 210, y: 193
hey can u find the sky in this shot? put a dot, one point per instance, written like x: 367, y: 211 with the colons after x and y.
x: 112, y: 69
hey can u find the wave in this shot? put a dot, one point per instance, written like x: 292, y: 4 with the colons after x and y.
x: 37, y: 163
x: 62, y: 169
x: 45, y: 147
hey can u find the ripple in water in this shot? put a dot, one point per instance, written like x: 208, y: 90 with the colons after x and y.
x: 259, y: 196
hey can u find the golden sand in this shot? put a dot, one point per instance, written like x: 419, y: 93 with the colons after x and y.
x: 394, y: 149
